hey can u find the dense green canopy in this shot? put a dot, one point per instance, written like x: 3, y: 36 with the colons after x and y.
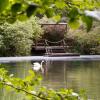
x: 72, y: 9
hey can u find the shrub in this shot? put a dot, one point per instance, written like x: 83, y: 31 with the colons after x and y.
x: 86, y: 43
x: 37, y: 31
x: 17, y: 38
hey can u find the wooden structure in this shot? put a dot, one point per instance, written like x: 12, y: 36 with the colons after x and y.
x: 53, y: 48
x: 54, y: 32
x: 58, y: 48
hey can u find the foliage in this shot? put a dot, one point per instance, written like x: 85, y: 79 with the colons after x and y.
x: 30, y: 86
x: 73, y: 10
x: 17, y: 38
x: 86, y: 43
x: 37, y: 31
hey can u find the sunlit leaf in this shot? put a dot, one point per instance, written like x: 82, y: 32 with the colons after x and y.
x: 1, y: 85
x: 57, y: 18
x: 32, y: 75
x: 74, y: 24
x: 60, y: 4
x: 8, y: 88
x: 22, y: 17
x: 3, y: 4
x: 31, y: 72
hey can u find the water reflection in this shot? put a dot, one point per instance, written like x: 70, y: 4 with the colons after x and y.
x: 61, y: 74
x: 76, y: 75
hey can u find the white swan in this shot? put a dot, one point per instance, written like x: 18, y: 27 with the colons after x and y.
x: 38, y: 66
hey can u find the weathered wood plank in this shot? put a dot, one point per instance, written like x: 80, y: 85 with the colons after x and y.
x: 62, y: 54
x: 49, y: 47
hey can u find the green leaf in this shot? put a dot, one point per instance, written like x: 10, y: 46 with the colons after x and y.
x: 88, y: 21
x: 74, y: 23
x: 60, y: 5
x: 49, y: 12
x: 31, y: 76
x: 45, y: 2
x: 8, y: 88
x: 22, y: 17
x: 57, y: 18
x: 16, y: 8
x: 3, y: 4
x: 73, y: 13
x: 31, y: 72
x: 31, y: 9
x: 1, y: 85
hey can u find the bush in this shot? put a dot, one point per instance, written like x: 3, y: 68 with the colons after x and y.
x: 17, y: 38
x: 37, y: 31
x: 86, y: 43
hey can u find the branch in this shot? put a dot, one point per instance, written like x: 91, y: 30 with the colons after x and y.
x: 12, y: 86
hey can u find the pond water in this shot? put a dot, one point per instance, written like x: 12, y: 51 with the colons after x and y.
x: 76, y: 73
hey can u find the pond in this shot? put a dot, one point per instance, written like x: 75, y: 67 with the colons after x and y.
x: 62, y: 72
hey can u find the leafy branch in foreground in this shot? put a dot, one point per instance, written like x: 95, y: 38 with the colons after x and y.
x: 73, y: 10
x: 31, y: 86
